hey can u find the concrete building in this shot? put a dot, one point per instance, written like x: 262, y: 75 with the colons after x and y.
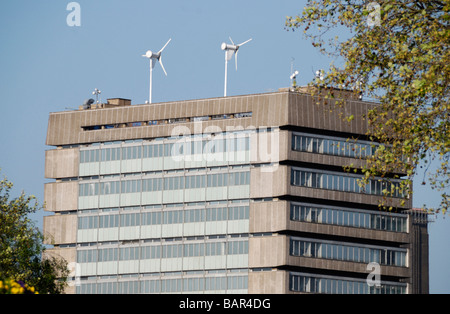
x: 242, y: 194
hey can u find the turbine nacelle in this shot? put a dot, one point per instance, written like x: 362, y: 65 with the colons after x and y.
x: 232, y: 49
x: 156, y: 56
x: 152, y: 55
x: 226, y: 46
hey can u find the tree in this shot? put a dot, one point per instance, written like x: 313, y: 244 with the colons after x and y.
x: 398, y: 54
x: 22, y: 247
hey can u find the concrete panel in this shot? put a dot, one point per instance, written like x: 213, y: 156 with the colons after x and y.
x: 268, y: 251
x: 62, y: 163
x: 269, y: 147
x: 269, y: 216
x: 263, y: 181
x: 67, y: 127
x: 60, y: 229
x: 268, y: 282
x: 61, y: 196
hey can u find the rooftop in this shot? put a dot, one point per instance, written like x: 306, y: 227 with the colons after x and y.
x: 119, y: 120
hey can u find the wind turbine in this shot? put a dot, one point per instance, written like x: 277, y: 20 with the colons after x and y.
x: 229, y: 51
x: 153, y: 57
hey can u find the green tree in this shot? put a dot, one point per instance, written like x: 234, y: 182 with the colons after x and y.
x: 398, y: 54
x: 22, y: 250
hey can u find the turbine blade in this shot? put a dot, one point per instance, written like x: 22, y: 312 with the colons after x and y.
x: 232, y: 41
x: 245, y: 42
x: 165, y: 46
x: 152, y: 62
x: 229, y: 54
x: 235, y: 59
x: 162, y: 66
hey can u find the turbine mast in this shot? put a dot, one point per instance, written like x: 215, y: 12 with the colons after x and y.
x: 153, y: 57
x: 230, y: 50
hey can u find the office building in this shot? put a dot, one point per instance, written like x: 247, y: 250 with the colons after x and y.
x: 243, y: 194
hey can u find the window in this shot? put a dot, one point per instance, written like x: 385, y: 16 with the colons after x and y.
x: 173, y: 217
x: 238, y: 247
x: 88, y: 189
x: 349, y: 217
x: 152, y: 218
x: 111, y: 154
x: 334, y: 285
x: 130, y: 220
x: 90, y: 222
x: 174, y: 183
x: 340, y: 182
x: 151, y: 252
x: 131, y: 186
x: 332, y: 146
x: 195, y: 182
x: 92, y: 155
x: 347, y: 252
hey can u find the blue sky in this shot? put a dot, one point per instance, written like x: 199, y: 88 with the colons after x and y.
x: 47, y: 66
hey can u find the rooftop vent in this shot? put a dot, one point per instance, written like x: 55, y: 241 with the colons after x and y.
x: 117, y: 102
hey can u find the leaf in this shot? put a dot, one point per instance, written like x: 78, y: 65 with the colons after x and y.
x: 418, y: 84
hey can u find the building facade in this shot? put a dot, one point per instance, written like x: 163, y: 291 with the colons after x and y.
x: 242, y: 194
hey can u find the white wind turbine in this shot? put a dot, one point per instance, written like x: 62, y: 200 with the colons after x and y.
x: 229, y: 51
x: 153, y: 57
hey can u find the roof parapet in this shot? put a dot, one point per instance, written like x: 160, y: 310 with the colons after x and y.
x: 338, y: 93
x: 111, y: 103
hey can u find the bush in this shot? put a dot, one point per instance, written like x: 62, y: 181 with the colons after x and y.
x: 9, y: 286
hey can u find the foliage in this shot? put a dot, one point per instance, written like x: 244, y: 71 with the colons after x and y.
x: 397, y: 53
x: 22, y: 248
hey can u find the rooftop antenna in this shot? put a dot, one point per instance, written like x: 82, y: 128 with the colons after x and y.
x: 320, y: 75
x: 294, y: 74
x: 357, y: 87
x: 229, y: 51
x: 153, y: 57
x: 96, y: 92
x: 87, y: 103
x: 294, y: 79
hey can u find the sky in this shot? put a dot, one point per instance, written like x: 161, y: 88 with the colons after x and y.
x: 48, y: 66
